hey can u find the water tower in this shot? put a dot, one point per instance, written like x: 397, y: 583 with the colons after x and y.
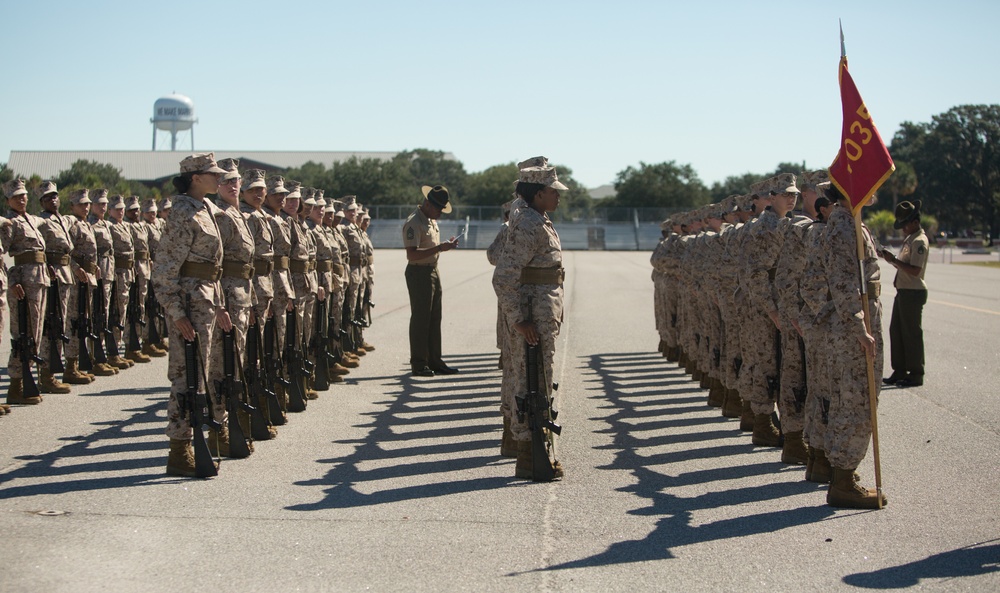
x: 174, y: 113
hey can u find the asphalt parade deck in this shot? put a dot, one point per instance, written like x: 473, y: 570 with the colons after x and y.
x: 388, y: 483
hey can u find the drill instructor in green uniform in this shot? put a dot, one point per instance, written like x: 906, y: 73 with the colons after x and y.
x: 421, y: 238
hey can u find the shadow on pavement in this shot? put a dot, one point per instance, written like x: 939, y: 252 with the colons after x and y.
x: 633, y: 406
x: 113, y: 438
x: 459, y: 414
x: 963, y: 562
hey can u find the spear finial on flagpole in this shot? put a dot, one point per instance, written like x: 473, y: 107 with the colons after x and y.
x: 843, y: 48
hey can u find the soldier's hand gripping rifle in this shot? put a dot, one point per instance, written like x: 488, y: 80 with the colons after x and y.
x: 271, y: 368
x: 53, y: 326
x: 135, y: 320
x: 320, y: 346
x: 82, y: 327
x: 25, y: 349
x: 231, y: 391
x: 536, y: 406
x: 195, y: 407
x: 100, y: 323
x: 294, y: 367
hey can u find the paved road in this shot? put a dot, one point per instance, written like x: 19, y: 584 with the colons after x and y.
x: 388, y: 483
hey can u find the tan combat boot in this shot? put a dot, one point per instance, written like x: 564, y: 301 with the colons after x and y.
x: 794, y: 451
x: 137, y: 356
x: 15, y: 393
x: 151, y: 350
x: 218, y: 441
x: 732, y: 407
x: 522, y: 468
x: 359, y: 351
x: 47, y: 383
x: 120, y: 362
x: 180, y: 462
x: 164, y: 344
x: 349, y: 362
x: 103, y: 369
x: 508, y: 446
x: 368, y: 347
x: 72, y: 374
x: 765, y: 434
x: 846, y: 493
x: 717, y: 394
x: 746, y: 417
x: 819, y: 470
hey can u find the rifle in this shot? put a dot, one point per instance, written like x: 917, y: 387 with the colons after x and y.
x: 254, y: 387
x: 272, y: 376
x: 368, y: 304
x: 347, y: 329
x: 155, y: 314
x: 536, y: 405
x: 257, y: 375
x: 294, y: 367
x: 231, y: 391
x: 81, y: 325
x: 100, y: 324
x: 52, y: 328
x: 320, y: 347
x: 25, y: 349
x: 135, y: 320
x: 114, y: 322
x: 195, y: 407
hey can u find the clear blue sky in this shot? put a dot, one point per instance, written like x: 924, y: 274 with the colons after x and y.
x: 728, y: 87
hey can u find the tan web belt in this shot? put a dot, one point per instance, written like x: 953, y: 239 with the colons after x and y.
x: 298, y: 266
x: 530, y: 275
x: 874, y: 289
x: 236, y: 269
x: 56, y: 259
x: 31, y: 257
x: 324, y: 265
x: 262, y: 267
x: 88, y: 266
x: 142, y: 255
x: 202, y: 271
x: 280, y: 262
x: 123, y: 262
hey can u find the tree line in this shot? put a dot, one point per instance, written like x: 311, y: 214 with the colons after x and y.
x: 951, y: 163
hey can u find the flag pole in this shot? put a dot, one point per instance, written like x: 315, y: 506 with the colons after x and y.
x: 869, y: 359
x: 866, y: 313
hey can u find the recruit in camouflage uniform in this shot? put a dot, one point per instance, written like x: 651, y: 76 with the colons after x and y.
x: 4, y: 224
x: 849, y: 427
x: 302, y: 263
x: 121, y: 239
x: 26, y: 245
x: 141, y: 262
x: 83, y: 264
x: 105, y: 264
x: 528, y: 282
x: 348, y: 360
x: 186, y: 282
x: 356, y: 254
x: 281, y: 280
x: 58, y: 245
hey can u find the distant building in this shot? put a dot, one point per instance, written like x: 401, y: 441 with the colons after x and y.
x: 153, y: 168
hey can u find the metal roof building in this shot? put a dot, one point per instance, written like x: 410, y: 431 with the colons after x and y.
x: 153, y: 166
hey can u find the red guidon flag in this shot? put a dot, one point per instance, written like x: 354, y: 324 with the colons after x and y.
x: 863, y: 163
